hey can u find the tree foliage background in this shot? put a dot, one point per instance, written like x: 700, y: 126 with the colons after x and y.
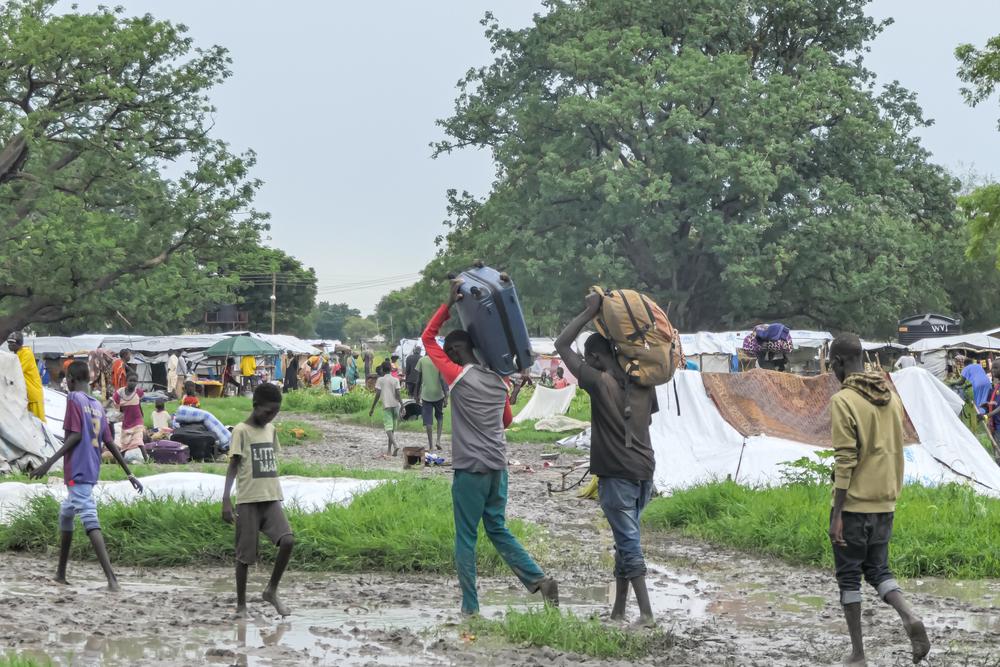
x: 733, y: 158
x: 116, y: 202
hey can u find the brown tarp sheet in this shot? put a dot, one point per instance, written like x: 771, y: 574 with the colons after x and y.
x: 780, y: 405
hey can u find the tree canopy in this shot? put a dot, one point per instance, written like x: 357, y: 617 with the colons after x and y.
x: 110, y: 180
x: 734, y: 159
x: 331, y: 317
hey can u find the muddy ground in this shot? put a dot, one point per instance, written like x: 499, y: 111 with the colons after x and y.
x: 722, y: 608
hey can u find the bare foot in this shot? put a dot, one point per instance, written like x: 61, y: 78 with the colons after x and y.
x: 918, y: 639
x: 851, y: 660
x: 241, y: 612
x: 113, y: 586
x: 280, y: 607
x: 61, y: 580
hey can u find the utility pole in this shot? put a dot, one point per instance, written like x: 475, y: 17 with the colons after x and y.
x: 274, y: 297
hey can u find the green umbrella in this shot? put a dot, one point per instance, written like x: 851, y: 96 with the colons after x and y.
x: 239, y: 346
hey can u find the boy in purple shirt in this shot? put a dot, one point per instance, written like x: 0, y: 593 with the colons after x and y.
x: 86, y: 427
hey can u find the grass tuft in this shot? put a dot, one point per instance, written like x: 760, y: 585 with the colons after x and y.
x: 947, y: 531
x: 403, y: 526
x: 568, y: 632
x: 19, y: 660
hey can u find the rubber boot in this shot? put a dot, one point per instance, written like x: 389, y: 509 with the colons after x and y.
x: 852, y: 614
x: 646, y: 618
x: 549, y: 589
x: 97, y: 541
x: 621, y: 599
x: 65, y: 542
x: 914, y: 627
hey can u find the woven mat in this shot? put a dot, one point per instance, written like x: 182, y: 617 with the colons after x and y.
x: 781, y: 405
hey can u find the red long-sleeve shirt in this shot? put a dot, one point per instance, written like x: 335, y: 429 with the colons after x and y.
x: 480, y: 406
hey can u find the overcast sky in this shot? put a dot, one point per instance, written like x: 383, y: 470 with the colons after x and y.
x: 339, y: 100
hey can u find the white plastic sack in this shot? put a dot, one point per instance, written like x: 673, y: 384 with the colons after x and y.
x: 546, y: 402
x: 310, y: 494
x: 560, y: 423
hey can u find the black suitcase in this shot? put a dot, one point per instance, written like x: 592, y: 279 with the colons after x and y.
x: 200, y: 441
x: 491, y: 314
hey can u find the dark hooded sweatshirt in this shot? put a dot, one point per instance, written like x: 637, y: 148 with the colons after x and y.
x: 867, y: 418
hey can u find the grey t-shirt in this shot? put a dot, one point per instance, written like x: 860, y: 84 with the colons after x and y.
x: 389, y: 386
x: 478, y: 400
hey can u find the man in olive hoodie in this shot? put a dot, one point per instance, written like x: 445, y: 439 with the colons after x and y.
x: 867, y: 418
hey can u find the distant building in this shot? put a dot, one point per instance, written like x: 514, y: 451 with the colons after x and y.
x: 226, y: 318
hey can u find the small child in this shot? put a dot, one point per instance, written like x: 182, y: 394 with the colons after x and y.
x: 86, y: 427
x: 387, y: 389
x: 161, y: 421
x: 253, y: 466
x: 190, y: 398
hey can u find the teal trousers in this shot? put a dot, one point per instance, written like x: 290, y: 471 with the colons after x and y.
x: 483, y: 497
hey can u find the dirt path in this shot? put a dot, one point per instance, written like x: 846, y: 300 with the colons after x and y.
x: 724, y: 608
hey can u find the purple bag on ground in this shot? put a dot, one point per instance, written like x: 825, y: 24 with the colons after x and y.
x: 168, y: 451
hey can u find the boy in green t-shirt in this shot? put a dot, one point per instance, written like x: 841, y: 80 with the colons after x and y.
x: 432, y: 395
x: 253, y: 465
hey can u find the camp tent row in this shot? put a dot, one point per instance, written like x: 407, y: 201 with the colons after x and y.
x: 151, y: 352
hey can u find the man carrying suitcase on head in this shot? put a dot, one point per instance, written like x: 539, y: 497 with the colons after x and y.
x: 480, y: 411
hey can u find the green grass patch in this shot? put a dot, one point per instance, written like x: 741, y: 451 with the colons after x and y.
x: 568, y: 632
x: 321, y: 402
x: 19, y: 660
x: 235, y: 409
x: 947, y: 531
x: 353, y: 408
x: 295, y: 432
x: 112, y: 472
x: 401, y: 526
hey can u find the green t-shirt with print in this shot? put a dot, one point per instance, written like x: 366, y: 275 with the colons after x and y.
x: 257, y: 474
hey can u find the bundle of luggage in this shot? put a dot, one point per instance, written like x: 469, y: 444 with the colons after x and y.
x: 774, y: 338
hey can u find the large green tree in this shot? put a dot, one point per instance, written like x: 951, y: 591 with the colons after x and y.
x: 331, y: 318
x: 259, y: 268
x: 96, y: 109
x: 731, y: 157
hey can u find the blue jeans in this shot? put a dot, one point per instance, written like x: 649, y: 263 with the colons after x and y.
x: 79, y: 502
x: 483, y: 496
x: 623, y: 501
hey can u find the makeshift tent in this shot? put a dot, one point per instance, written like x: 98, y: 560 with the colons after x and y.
x: 25, y: 442
x: 310, y: 494
x: 934, y: 353
x: 713, y: 352
x: 545, y: 402
x: 701, y: 446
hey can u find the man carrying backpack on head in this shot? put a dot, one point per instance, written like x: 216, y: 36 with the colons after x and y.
x: 624, y: 469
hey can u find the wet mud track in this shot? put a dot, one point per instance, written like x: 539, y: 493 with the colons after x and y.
x: 723, y: 607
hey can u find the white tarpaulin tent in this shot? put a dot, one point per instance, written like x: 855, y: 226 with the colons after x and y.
x: 713, y: 352
x: 547, y: 402
x: 972, y: 341
x: 700, y: 446
x: 25, y: 442
x: 311, y: 494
